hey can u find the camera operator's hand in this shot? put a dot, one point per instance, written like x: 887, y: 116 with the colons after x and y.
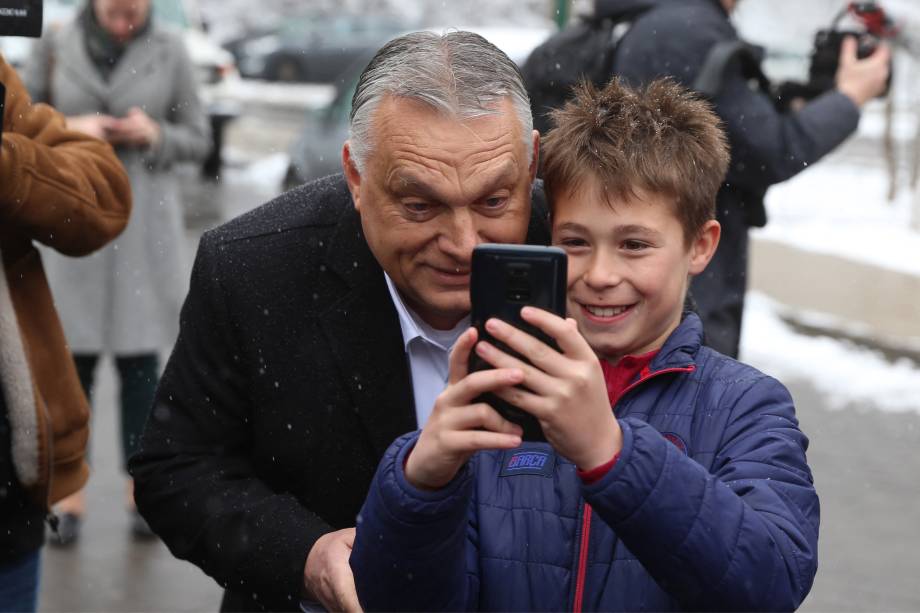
x: 458, y: 426
x: 567, y: 392
x: 95, y: 125
x: 862, y: 80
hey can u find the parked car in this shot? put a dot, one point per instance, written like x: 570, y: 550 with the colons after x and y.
x: 311, y: 47
x: 215, y: 66
x: 317, y: 150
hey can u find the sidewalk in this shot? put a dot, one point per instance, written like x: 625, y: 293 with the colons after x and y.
x: 832, y: 295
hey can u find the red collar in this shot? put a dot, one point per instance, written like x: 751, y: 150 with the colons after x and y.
x: 619, y: 376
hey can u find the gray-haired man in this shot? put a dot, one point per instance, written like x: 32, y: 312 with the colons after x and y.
x: 317, y: 328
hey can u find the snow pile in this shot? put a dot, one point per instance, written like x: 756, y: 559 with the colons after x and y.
x: 841, y: 209
x: 847, y: 375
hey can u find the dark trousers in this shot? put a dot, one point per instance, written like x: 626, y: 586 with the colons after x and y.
x: 138, y: 375
x: 19, y: 580
x: 719, y: 290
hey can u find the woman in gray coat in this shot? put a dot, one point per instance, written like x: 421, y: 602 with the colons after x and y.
x: 120, y: 76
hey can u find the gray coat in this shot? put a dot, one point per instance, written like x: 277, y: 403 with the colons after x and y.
x: 126, y: 298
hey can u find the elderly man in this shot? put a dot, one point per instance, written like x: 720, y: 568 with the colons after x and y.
x: 317, y: 327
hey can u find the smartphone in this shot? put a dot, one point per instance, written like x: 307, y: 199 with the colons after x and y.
x: 504, y: 279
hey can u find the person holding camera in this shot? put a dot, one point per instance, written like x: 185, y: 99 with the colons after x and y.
x: 120, y: 76
x: 684, y: 39
x: 68, y: 191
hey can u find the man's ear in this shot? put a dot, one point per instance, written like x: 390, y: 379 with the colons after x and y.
x: 535, y: 159
x: 704, y: 246
x: 352, y: 176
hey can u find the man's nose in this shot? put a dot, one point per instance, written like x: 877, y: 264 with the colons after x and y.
x: 460, y: 236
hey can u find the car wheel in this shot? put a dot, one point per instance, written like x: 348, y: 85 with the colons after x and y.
x: 289, y: 71
x: 291, y: 179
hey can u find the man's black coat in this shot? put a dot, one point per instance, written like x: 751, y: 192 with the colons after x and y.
x: 287, y: 383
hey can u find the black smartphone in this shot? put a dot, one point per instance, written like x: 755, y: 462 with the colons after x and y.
x: 506, y: 278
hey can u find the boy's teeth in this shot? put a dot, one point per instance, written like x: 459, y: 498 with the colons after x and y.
x: 605, y: 311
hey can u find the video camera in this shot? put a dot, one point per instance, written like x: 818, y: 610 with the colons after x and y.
x: 874, y: 26
x: 21, y: 18
x: 18, y: 18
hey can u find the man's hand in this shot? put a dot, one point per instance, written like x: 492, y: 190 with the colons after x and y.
x: 565, y: 391
x: 96, y: 126
x: 458, y: 427
x: 862, y: 80
x: 327, y: 574
x: 135, y: 129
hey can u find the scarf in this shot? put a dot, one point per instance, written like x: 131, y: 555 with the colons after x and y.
x: 104, y: 51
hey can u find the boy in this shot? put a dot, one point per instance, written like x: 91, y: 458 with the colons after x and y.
x: 693, y: 493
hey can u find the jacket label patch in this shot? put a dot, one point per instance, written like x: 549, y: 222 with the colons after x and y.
x: 676, y: 441
x: 528, y: 462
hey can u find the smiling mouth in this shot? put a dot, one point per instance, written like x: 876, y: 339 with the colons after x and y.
x: 604, y: 312
x: 452, y: 276
x: 453, y: 270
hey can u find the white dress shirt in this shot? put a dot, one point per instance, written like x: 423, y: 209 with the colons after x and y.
x: 429, y: 353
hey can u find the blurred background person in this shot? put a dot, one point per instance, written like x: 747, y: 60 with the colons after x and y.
x: 118, y: 75
x: 68, y: 191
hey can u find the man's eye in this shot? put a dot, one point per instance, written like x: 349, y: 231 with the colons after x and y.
x: 572, y: 243
x: 417, y: 208
x: 495, y: 202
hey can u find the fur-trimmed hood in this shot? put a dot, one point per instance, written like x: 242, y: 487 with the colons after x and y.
x: 16, y: 383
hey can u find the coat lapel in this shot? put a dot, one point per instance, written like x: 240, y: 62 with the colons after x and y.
x: 139, y: 62
x: 74, y: 62
x: 363, y: 330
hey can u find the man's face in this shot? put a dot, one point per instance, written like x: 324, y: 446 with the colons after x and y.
x: 122, y: 18
x: 628, y: 268
x: 432, y: 189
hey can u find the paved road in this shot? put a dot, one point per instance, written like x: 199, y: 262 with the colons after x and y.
x: 865, y: 463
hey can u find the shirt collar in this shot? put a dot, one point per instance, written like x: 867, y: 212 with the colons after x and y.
x: 413, y: 327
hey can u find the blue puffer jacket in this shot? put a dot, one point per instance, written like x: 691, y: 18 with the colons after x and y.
x: 710, y: 506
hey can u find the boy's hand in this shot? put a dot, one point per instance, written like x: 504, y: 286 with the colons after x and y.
x: 458, y: 427
x: 567, y: 392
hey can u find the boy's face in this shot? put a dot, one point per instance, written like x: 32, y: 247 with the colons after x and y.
x: 629, y: 267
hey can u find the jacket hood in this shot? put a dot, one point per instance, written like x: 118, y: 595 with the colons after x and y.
x: 626, y: 9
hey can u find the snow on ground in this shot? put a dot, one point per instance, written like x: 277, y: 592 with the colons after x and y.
x: 250, y: 92
x: 848, y: 375
x: 840, y: 207
x: 266, y: 172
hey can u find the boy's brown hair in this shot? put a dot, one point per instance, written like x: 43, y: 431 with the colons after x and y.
x: 661, y: 139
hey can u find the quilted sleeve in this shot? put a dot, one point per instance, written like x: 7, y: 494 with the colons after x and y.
x: 411, y: 550
x: 743, y: 537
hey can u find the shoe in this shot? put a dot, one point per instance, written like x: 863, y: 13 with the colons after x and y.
x: 68, y: 530
x: 140, y: 528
